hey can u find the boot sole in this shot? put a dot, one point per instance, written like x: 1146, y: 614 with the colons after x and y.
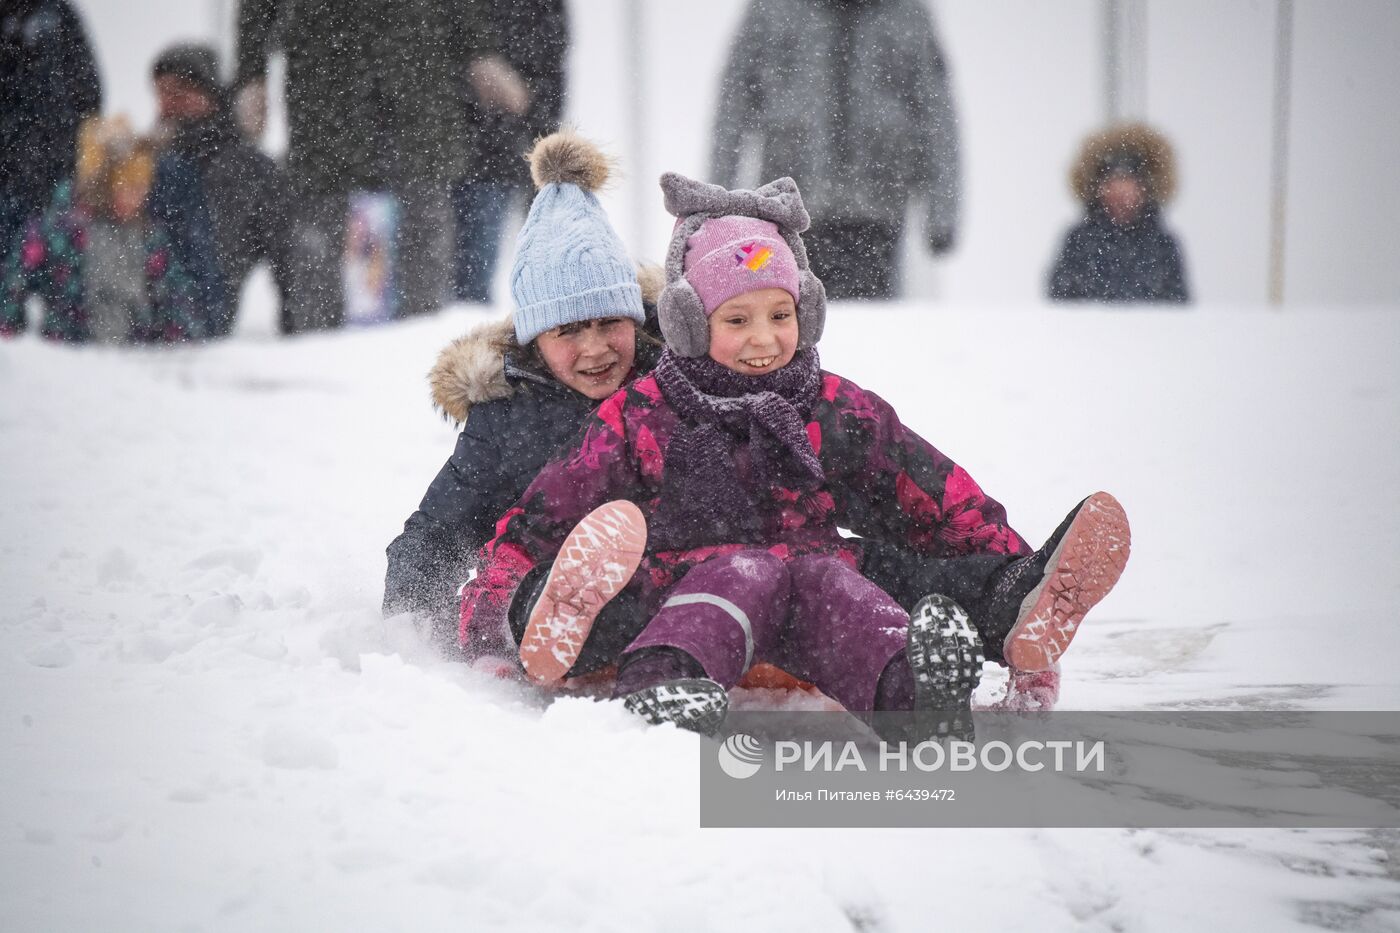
x: 945, y: 653
x: 1082, y: 570
x: 597, y: 560
x: 696, y: 704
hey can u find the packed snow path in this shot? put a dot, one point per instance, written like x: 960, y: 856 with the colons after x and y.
x: 206, y: 725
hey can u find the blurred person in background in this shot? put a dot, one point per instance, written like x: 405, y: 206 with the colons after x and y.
x: 243, y: 191
x: 533, y: 36
x: 851, y: 98
x: 375, y: 96
x: 1120, y: 251
x: 48, y: 85
x: 102, y: 267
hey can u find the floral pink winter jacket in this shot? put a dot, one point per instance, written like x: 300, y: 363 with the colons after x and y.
x: 883, y: 481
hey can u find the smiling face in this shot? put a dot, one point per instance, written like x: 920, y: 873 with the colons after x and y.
x: 590, y: 357
x: 756, y: 332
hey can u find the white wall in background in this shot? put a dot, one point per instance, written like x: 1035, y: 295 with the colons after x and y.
x: 1027, y: 79
x: 1210, y: 89
x: 1344, y: 200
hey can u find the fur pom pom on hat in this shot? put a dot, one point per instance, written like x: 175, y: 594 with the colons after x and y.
x: 727, y: 243
x: 570, y: 265
x: 565, y: 158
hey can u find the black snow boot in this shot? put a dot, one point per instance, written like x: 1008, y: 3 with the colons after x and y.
x: 945, y: 653
x: 668, y: 685
x: 697, y: 704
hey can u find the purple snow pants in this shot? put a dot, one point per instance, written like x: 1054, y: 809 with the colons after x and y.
x: 815, y: 617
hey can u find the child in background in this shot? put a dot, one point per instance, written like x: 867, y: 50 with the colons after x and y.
x: 103, y: 268
x: 1121, y: 252
x: 740, y: 460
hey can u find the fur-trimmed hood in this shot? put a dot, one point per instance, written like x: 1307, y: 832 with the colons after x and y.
x: 1131, y: 141
x: 473, y: 368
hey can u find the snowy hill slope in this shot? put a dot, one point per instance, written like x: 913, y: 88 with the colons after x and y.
x: 206, y: 726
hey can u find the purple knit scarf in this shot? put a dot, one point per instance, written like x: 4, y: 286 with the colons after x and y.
x: 703, y: 498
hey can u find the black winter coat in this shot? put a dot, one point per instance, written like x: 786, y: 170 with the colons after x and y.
x: 515, y: 419
x: 533, y: 36
x: 1101, y: 261
x: 375, y: 89
x: 246, y: 196
x: 48, y: 85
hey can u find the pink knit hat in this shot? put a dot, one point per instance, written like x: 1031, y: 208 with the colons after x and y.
x: 731, y: 255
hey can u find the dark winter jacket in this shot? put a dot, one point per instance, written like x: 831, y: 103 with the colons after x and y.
x: 879, y: 479
x: 375, y: 88
x: 48, y: 85
x: 515, y: 418
x: 850, y: 98
x: 533, y: 36
x: 49, y: 263
x: 178, y: 205
x: 245, y: 195
x: 1101, y: 261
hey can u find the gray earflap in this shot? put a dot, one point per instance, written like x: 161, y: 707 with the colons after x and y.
x: 684, y: 324
x: 811, y: 309
x: 811, y: 293
x: 799, y: 249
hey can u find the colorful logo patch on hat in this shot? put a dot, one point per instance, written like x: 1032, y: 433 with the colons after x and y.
x: 753, y: 257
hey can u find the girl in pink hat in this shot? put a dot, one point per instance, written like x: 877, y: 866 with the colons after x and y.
x: 713, y: 491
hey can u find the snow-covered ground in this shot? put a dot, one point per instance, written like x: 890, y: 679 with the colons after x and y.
x: 205, y: 725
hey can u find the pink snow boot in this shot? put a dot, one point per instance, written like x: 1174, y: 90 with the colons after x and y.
x: 1088, y: 554
x: 596, y: 561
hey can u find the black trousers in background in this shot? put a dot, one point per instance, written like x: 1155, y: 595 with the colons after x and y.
x: 423, y: 253
x: 855, y: 258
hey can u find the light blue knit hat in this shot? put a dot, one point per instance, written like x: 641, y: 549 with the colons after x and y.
x: 570, y: 264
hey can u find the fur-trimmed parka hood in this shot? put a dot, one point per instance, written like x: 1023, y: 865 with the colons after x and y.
x: 480, y: 366
x: 1134, y: 143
